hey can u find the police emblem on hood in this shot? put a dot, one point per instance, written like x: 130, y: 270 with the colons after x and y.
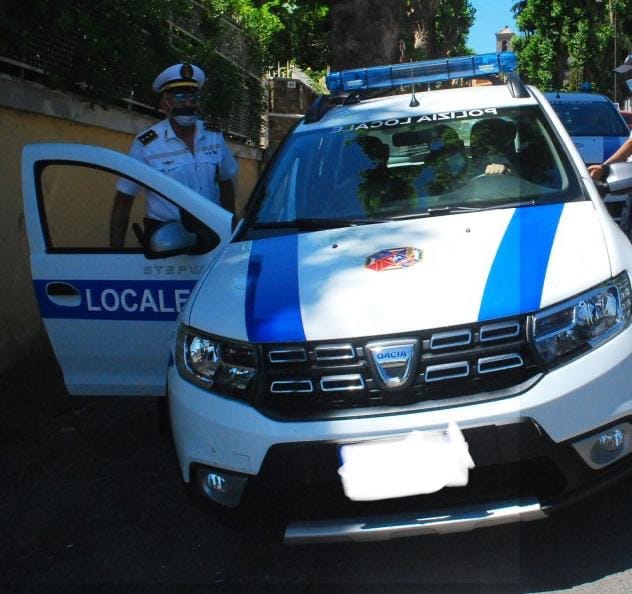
x: 393, y: 361
x: 393, y: 258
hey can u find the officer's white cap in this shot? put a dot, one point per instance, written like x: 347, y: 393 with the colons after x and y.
x: 179, y: 76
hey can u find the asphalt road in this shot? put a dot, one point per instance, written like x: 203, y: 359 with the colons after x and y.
x: 91, y: 495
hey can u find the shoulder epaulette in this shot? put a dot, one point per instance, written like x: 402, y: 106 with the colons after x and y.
x: 146, y: 137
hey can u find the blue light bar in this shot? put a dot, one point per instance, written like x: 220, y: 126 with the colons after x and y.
x: 384, y: 77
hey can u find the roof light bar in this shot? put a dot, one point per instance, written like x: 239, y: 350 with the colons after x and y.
x: 383, y: 77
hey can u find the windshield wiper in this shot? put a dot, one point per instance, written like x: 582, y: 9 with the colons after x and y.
x: 436, y: 211
x: 312, y: 224
x: 445, y: 210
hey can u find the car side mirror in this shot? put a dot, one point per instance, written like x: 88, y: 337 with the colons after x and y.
x: 619, y: 179
x: 173, y: 238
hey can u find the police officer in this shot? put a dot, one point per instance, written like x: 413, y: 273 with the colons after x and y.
x: 181, y: 146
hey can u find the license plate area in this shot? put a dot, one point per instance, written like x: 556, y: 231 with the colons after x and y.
x: 420, y: 463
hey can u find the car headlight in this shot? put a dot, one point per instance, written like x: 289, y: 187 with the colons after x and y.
x: 226, y: 367
x: 576, y: 326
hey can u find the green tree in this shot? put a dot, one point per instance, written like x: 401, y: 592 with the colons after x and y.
x: 114, y: 48
x: 568, y: 42
x: 303, y: 35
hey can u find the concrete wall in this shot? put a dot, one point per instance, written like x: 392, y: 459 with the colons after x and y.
x: 288, y: 101
x: 32, y: 113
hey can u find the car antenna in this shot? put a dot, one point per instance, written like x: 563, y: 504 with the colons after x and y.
x: 413, y: 99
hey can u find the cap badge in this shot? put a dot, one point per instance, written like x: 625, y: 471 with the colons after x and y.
x: 393, y: 258
x: 186, y: 71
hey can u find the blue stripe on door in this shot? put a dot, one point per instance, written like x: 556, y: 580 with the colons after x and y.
x: 516, y: 278
x: 144, y: 300
x: 273, y: 309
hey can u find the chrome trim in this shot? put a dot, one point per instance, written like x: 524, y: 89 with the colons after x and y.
x: 513, y: 330
x: 499, y: 359
x: 281, y: 352
x: 334, y: 347
x: 402, y: 363
x: 275, y: 390
x: 466, y: 338
x: 342, y: 378
x: 462, y: 365
x: 463, y: 519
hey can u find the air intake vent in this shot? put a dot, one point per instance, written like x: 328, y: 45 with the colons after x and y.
x: 503, y: 331
x: 450, y: 340
x: 288, y: 386
x: 334, y: 352
x: 436, y: 373
x: 290, y: 355
x: 342, y: 383
x: 499, y: 363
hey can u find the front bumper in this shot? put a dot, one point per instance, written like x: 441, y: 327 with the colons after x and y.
x: 522, y: 448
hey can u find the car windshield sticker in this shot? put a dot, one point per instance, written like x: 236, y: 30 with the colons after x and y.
x: 430, y: 117
x: 393, y: 258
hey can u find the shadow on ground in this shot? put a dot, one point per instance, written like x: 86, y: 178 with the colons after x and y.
x: 91, y: 494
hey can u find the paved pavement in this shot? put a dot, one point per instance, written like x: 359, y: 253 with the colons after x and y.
x: 91, y: 494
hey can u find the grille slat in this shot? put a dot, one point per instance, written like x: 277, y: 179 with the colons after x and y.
x: 303, y: 380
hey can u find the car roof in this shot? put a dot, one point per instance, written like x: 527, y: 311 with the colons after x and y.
x: 569, y: 97
x: 430, y: 102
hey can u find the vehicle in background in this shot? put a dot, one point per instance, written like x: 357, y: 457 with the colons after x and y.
x: 627, y: 116
x: 598, y: 129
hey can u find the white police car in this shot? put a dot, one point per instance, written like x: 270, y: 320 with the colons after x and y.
x: 421, y: 325
x: 597, y: 129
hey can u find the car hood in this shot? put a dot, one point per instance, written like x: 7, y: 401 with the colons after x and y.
x: 402, y: 276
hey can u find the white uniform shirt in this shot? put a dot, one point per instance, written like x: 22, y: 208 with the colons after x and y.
x: 160, y: 148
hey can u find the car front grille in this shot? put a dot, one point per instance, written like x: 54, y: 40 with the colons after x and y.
x: 451, y: 366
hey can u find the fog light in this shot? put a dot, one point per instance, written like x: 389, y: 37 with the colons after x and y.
x: 611, y: 440
x: 605, y: 447
x: 217, y: 483
x: 220, y: 486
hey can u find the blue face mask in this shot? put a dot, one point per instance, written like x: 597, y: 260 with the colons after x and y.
x: 185, y: 116
x: 185, y: 120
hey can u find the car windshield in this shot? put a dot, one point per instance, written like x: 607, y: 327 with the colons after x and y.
x: 410, y: 167
x: 590, y: 118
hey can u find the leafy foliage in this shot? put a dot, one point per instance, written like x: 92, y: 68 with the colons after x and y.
x: 115, y: 48
x: 570, y: 42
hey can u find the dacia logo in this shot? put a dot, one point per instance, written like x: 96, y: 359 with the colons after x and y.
x: 393, y: 356
x: 392, y: 362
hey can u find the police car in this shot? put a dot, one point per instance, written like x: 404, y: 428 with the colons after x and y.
x: 421, y: 325
x: 598, y: 129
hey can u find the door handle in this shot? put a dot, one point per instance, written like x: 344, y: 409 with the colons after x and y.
x: 62, y: 293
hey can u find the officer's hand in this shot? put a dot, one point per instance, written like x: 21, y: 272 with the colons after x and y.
x: 596, y: 171
x: 496, y: 169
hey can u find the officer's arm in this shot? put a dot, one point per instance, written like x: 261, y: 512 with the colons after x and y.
x: 621, y: 154
x: 227, y: 195
x: 120, y: 219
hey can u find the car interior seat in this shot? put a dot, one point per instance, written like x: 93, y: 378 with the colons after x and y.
x: 492, y: 140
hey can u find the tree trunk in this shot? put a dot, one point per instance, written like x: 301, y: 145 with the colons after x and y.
x: 365, y: 32
x: 422, y: 16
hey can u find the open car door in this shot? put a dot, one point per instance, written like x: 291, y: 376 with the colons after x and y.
x: 109, y: 313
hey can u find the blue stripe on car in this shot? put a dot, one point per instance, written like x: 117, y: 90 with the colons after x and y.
x: 273, y: 310
x: 516, y: 277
